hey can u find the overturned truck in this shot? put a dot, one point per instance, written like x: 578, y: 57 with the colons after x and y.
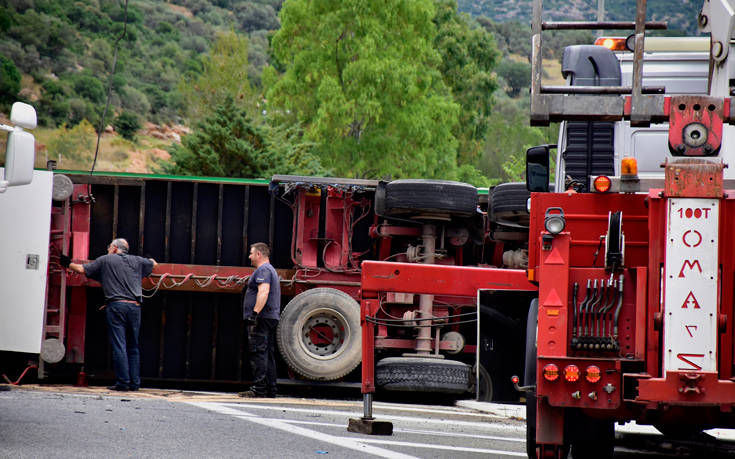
x: 320, y: 230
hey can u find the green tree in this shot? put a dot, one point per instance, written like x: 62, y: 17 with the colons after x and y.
x: 227, y: 144
x: 127, y: 124
x: 9, y: 81
x: 509, y: 136
x: 90, y: 88
x: 363, y: 78
x: 53, y: 107
x: 73, y: 147
x: 224, y: 75
x: 468, y: 55
x: 517, y: 76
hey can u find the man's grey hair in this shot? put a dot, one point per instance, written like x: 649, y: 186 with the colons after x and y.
x: 121, y: 244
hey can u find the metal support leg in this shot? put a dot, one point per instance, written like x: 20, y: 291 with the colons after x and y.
x: 367, y: 424
x: 367, y: 407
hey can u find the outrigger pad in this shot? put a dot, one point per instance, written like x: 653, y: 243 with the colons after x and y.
x: 370, y: 427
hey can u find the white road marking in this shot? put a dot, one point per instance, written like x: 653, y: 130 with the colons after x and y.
x: 443, y: 422
x: 447, y: 447
x: 286, y: 427
x: 350, y: 442
x: 449, y: 410
x: 433, y: 433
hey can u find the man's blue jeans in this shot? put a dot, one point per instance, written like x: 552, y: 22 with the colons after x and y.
x: 123, y: 324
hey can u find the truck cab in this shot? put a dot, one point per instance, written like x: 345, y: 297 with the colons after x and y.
x: 587, y: 149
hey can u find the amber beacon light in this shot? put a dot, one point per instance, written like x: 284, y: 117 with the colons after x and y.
x: 612, y: 43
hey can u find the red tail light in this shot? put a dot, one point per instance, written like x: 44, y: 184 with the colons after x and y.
x: 571, y: 373
x: 551, y: 372
x: 602, y: 184
x: 593, y: 373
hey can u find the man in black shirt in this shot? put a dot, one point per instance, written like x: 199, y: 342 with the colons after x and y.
x: 120, y: 275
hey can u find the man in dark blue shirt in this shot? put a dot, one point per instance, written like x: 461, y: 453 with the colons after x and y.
x: 120, y: 275
x: 261, y: 311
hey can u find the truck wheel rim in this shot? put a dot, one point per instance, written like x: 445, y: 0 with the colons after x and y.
x: 324, y: 333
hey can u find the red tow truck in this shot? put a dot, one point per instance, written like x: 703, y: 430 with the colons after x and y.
x: 634, y: 273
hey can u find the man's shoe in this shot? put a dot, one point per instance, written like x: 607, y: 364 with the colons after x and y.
x: 250, y: 394
x: 118, y: 388
x: 132, y: 389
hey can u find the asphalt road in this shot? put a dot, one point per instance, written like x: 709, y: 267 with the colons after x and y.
x: 68, y: 422
x: 65, y: 422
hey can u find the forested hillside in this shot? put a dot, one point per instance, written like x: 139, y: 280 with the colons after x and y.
x: 681, y: 15
x: 67, y: 48
x: 359, y: 88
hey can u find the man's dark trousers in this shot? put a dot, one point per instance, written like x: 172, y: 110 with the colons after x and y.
x: 262, y: 338
x: 123, y: 322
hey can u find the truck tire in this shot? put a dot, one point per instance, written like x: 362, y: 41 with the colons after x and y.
x: 319, y: 334
x: 509, y: 203
x: 423, y: 374
x: 415, y: 197
x: 529, y: 378
x: 486, y: 384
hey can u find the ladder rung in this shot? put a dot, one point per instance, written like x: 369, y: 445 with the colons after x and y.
x: 594, y: 25
x: 53, y: 329
x: 52, y: 311
x: 599, y: 89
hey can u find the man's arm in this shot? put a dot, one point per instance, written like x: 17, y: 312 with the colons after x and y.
x: 65, y: 262
x: 262, y: 297
x: 77, y: 268
x: 146, y: 266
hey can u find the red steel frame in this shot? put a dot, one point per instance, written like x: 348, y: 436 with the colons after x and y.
x: 451, y: 281
x: 655, y: 397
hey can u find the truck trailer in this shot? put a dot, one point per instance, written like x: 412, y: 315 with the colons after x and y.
x: 320, y: 230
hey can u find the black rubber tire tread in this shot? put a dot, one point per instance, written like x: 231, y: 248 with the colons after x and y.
x: 415, y: 196
x: 423, y: 375
x: 486, y: 384
x: 509, y: 202
x: 529, y: 378
x: 288, y: 335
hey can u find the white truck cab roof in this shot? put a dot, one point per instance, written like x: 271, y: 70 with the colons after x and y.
x: 681, y: 66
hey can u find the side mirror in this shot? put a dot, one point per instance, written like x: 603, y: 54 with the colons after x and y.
x: 20, y: 155
x: 537, y: 168
x: 23, y: 115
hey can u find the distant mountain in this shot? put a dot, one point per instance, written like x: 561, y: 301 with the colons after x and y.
x: 681, y: 15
